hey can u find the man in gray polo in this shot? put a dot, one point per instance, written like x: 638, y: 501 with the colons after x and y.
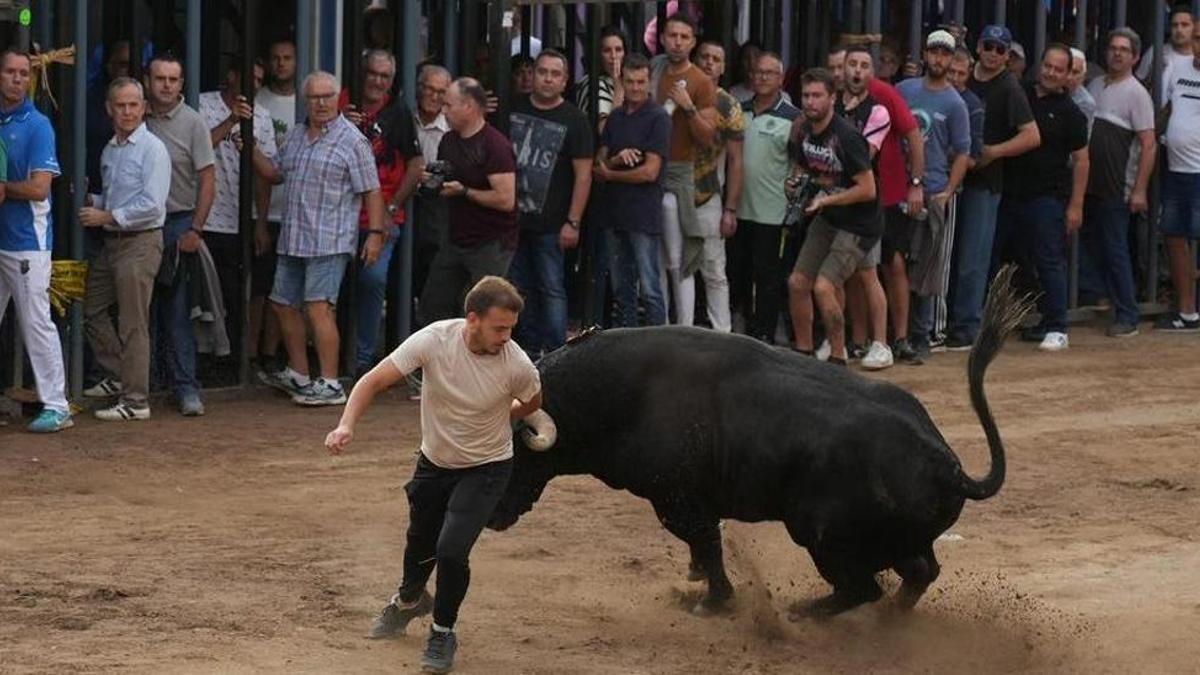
x: 193, y: 187
x: 328, y: 171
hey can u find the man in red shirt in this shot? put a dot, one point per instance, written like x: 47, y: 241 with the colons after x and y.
x: 388, y: 125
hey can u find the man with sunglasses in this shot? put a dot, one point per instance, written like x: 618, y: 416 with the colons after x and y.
x: 1009, y: 130
x: 1122, y: 146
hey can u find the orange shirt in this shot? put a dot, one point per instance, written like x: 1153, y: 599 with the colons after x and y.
x: 703, y: 94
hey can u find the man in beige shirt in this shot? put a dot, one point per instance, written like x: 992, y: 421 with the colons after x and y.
x: 476, y: 380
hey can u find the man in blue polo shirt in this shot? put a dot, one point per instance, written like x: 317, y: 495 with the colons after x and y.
x: 26, y: 235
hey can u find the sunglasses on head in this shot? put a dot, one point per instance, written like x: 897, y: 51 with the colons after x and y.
x: 992, y: 46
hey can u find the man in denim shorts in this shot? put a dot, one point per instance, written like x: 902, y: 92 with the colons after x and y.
x: 846, y: 225
x: 327, y: 170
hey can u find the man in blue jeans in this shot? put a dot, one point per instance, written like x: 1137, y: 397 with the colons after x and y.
x: 193, y: 189
x: 388, y: 126
x: 553, y: 144
x: 1122, y: 145
x: 632, y: 154
x: 1043, y: 196
x: 1009, y: 130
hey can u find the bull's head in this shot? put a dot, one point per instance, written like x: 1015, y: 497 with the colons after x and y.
x: 533, y: 467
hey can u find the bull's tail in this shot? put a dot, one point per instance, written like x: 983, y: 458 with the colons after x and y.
x: 1001, y: 314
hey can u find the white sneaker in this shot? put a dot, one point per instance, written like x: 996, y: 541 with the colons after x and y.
x: 823, y: 351
x: 123, y: 412
x: 1054, y: 342
x: 878, y: 357
x: 104, y: 388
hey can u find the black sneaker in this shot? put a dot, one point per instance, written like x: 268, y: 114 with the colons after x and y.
x: 855, y: 352
x: 937, y: 344
x: 957, y: 344
x: 906, y: 353
x: 1121, y: 330
x: 1175, y: 323
x: 439, y: 652
x: 394, y: 619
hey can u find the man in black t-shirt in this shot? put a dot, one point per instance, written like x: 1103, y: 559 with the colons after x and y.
x: 553, y: 144
x: 1043, y: 196
x: 846, y: 222
x: 481, y: 196
x: 1009, y: 130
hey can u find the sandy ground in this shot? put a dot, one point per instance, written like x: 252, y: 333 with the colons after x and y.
x: 233, y: 543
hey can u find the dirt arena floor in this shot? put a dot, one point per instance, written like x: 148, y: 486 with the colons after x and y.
x: 235, y: 544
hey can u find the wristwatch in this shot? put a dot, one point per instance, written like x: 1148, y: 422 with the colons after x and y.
x: 573, y: 223
x: 916, y: 181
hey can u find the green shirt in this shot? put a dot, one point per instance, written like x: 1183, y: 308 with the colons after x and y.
x: 765, y: 163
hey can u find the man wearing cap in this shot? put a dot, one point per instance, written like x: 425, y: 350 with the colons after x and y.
x: 946, y: 127
x: 1009, y: 130
x: 1016, y: 61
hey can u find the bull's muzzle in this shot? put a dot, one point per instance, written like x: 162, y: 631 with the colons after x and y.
x: 541, y: 431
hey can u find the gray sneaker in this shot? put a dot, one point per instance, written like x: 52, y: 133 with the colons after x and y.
x: 1122, y: 330
x: 190, y: 405
x: 281, y: 380
x: 319, y: 392
x: 394, y: 619
x: 439, y: 652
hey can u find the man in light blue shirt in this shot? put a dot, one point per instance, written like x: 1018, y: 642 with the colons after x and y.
x: 25, y: 235
x: 137, y: 177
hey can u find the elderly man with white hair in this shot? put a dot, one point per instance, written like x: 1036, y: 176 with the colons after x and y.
x: 328, y: 171
x: 1082, y: 98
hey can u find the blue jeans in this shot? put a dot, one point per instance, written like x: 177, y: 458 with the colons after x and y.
x: 1038, y: 225
x: 174, y: 316
x: 537, y: 271
x: 634, y: 264
x: 921, y: 320
x: 370, y: 291
x: 973, y: 236
x: 1181, y: 205
x: 1106, y: 234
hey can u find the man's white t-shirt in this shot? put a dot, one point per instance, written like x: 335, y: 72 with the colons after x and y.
x: 1182, y: 89
x: 283, y: 118
x: 465, y: 397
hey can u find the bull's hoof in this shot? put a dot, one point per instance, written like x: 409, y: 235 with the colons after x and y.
x: 696, y: 574
x: 711, y: 607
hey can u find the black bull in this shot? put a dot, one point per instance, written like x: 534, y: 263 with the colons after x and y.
x: 709, y: 426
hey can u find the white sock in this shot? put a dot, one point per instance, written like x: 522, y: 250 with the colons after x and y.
x: 1194, y: 316
x: 442, y: 629
x: 299, y: 378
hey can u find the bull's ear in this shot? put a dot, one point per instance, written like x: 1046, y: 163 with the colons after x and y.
x: 541, y: 431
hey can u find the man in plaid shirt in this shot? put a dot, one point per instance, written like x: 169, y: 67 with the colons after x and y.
x: 328, y: 171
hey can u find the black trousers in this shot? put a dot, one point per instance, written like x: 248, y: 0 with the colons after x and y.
x: 448, y: 508
x: 757, y: 276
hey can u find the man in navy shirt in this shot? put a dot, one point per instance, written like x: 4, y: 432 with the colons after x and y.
x: 26, y: 235
x: 630, y: 161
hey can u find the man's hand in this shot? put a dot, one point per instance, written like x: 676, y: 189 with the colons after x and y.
x: 189, y: 242
x: 262, y: 239
x: 493, y: 102
x: 629, y: 157
x: 242, y: 110
x: 351, y: 113
x: 93, y: 217
x: 679, y: 94
x: 337, y: 440
x: 372, y: 247
x: 1138, y: 202
x: 1074, y: 218
x: 815, y: 205
x: 453, y: 188
x: 986, y: 156
x: 568, y: 237
x: 728, y: 224
x: 940, y: 200
x: 916, y: 200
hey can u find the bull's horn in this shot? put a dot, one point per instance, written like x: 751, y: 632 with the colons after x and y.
x: 542, y: 432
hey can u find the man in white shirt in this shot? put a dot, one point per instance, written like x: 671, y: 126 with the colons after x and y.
x: 1180, y: 49
x: 476, y: 380
x: 432, y: 83
x: 1181, y: 188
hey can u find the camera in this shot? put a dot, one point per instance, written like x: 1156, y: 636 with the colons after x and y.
x: 439, y: 171
x: 805, y: 190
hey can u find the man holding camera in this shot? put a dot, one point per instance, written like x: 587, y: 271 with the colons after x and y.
x: 476, y: 175
x: 846, y: 222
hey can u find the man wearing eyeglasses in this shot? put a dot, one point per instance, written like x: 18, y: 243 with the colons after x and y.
x: 388, y: 126
x: 1122, y: 146
x: 328, y: 172
x: 1009, y: 130
x: 432, y: 82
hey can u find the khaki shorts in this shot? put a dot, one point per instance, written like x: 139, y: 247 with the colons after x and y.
x: 831, y: 253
